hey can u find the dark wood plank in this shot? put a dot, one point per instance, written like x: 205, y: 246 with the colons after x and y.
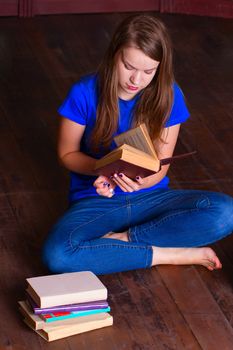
x: 198, y: 307
x: 156, y: 308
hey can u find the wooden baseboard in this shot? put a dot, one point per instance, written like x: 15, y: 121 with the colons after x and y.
x: 86, y: 6
x: 212, y: 8
x: 9, y: 8
x: 29, y: 8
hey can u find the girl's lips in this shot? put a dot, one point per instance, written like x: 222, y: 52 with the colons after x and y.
x: 133, y: 88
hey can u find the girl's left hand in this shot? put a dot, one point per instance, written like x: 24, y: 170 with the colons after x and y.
x: 126, y: 184
x: 104, y: 187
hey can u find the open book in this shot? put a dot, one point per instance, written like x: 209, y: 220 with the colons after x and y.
x: 134, y: 156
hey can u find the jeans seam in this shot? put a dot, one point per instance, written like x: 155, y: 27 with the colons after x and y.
x: 128, y: 206
x: 86, y: 223
x: 147, y: 257
x: 166, y: 218
x: 154, y: 200
x: 133, y: 234
x: 212, y: 241
x: 179, y: 198
x: 129, y: 246
x: 203, y: 197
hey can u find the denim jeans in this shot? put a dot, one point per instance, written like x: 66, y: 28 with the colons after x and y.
x: 163, y: 218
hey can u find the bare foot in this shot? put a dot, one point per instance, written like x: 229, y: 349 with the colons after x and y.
x: 122, y: 236
x: 186, y: 256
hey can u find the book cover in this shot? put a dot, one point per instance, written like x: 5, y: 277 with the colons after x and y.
x: 35, y: 320
x: 66, y: 288
x: 38, y: 323
x: 73, y: 326
x: 102, y: 304
x: 134, y: 156
x: 129, y: 161
x: 56, y: 316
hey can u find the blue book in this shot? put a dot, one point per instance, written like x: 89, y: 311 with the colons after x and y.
x: 56, y: 316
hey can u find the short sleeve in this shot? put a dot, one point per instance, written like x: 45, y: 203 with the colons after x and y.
x: 75, y: 105
x: 179, y: 112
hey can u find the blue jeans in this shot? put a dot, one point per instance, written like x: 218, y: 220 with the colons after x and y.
x: 163, y: 218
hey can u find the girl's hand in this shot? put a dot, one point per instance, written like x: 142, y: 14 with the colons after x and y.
x: 127, y: 184
x: 104, y: 186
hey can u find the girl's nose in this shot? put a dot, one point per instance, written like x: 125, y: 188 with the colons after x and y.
x: 135, y: 78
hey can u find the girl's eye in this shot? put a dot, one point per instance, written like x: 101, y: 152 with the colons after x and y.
x: 127, y: 67
x: 149, y: 72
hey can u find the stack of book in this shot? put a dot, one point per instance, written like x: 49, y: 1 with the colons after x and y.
x: 58, y: 306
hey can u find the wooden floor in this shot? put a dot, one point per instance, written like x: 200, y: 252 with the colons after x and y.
x: 161, y: 308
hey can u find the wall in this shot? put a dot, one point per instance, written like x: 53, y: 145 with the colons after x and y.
x: 29, y: 8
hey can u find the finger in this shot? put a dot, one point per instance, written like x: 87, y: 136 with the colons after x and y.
x: 139, y: 180
x: 106, y: 190
x: 121, y: 184
x: 126, y: 182
x: 111, y: 192
x: 122, y: 187
x: 102, y: 191
x: 103, y: 188
x: 102, y: 184
x: 101, y: 179
x: 130, y: 182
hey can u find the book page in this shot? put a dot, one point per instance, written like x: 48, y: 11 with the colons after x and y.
x: 138, y: 138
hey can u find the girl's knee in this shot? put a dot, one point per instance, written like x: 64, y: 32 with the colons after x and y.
x: 223, y: 212
x: 54, y: 257
x: 59, y: 258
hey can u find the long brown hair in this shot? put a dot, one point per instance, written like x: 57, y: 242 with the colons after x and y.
x: 148, y: 34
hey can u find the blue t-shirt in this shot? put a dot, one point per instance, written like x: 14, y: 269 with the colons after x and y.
x: 80, y: 106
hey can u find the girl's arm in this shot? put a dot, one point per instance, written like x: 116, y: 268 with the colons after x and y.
x: 70, y: 135
x: 70, y: 157
x: 164, y: 150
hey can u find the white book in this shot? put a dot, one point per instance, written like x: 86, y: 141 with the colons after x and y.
x: 66, y: 288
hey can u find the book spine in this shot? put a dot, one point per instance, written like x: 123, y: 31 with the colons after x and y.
x: 73, y: 314
x: 64, y: 308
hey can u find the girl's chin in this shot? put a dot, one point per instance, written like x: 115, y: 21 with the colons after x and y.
x: 125, y: 94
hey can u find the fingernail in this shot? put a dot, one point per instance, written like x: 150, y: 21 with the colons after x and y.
x: 115, y: 175
x: 121, y: 175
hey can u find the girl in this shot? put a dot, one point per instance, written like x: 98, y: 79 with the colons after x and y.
x: 117, y: 224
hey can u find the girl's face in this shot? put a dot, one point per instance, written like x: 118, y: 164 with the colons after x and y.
x: 135, y: 71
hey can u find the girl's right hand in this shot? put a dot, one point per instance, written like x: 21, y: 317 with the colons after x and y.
x: 104, y: 186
